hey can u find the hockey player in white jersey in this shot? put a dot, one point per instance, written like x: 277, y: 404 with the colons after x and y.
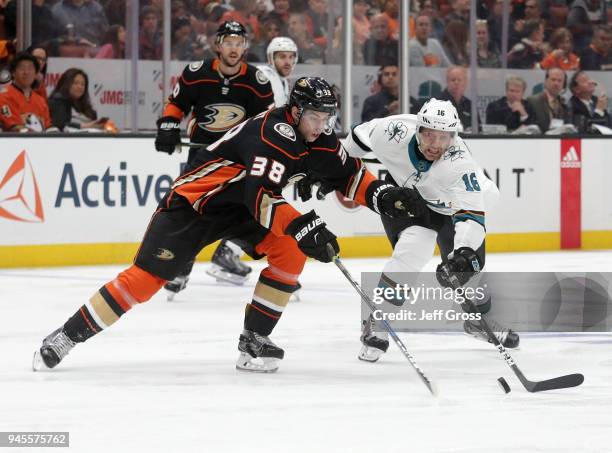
x: 282, y: 53
x: 425, y: 152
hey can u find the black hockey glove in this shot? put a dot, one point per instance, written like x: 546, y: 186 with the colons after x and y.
x: 168, y: 134
x: 312, y: 237
x: 392, y: 201
x: 305, y: 185
x: 456, y: 272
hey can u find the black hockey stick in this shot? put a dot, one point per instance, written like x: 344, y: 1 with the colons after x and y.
x: 385, y: 324
x: 561, y: 382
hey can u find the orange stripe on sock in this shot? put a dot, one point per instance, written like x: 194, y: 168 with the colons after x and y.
x: 87, y: 321
x: 265, y: 312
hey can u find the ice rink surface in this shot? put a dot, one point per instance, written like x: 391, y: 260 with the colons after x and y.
x: 163, y: 380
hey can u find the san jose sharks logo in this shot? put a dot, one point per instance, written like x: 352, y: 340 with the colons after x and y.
x: 396, y: 130
x: 453, y: 154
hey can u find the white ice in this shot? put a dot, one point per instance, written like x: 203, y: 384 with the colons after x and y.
x: 163, y: 380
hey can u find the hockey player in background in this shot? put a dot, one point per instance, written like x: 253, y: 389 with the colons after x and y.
x: 282, y: 55
x: 235, y: 191
x: 424, y: 152
x: 220, y: 93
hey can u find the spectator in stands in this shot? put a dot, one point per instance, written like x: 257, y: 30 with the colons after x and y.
x: 390, y: 11
x: 7, y: 53
x: 487, y: 55
x: 298, y: 31
x: 423, y: 49
x: 21, y: 108
x: 380, y: 48
x: 361, y: 23
x: 597, y: 57
x: 70, y: 104
x: 115, y: 11
x: 113, y: 44
x: 583, y: 15
x: 40, y: 53
x: 528, y: 53
x: 586, y: 107
x: 455, y: 42
x: 316, y: 21
x: 270, y: 29
x: 511, y: 110
x: 186, y: 46
x: 561, y: 55
x: 548, y: 107
x: 456, y: 83
x: 44, y: 28
x: 85, y: 18
x: 150, y: 45
x: 280, y: 14
x: 430, y: 8
x: 336, y: 53
x: 460, y: 12
x: 244, y: 13
x: 495, y: 24
x: 386, y: 102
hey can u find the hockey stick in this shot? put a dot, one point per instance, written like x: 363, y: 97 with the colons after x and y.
x: 400, y: 344
x: 561, y: 382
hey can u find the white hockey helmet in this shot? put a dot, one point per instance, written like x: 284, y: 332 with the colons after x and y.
x: 439, y: 115
x: 281, y: 44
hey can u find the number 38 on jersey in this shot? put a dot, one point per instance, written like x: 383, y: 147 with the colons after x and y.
x: 275, y: 170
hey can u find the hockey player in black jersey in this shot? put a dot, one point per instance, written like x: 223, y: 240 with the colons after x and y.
x: 219, y: 94
x: 235, y: 191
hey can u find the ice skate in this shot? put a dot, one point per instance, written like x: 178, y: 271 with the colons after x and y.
x: 55, y: 347
x: 374, y: 344
x: 258, y: 353
x: 507, y: 337
x: 227, y: 267
x: 175, y: 286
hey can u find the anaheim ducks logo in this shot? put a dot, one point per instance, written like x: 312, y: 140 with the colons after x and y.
x: 222, y: 117
x: 164, y: 254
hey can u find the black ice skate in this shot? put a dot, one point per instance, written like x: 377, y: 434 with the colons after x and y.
x: 175, y: 286
x: 375, y: 344
x: 226, y: 266
x: 55, y: 347
x: 258, y: 353
x: 507, y: 337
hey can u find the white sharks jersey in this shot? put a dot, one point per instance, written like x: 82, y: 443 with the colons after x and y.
x: 280, y: 86
x: 453, y: 185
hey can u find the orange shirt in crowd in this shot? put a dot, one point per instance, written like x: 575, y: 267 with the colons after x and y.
x: 15, y: 108
x: 569, y: 63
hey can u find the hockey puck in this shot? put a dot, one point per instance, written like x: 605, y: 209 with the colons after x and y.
x: 503, y: 384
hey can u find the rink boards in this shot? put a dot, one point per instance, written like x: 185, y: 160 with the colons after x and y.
x: 87, y: 200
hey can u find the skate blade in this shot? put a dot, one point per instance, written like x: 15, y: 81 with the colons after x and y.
x: 256, y: 365
x: 170, y: 295
x: 228, y: 277
x: 369, y: 354
x: 38, y: 364
x: 295, y: 297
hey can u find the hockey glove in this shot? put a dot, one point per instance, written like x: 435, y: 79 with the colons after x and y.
x: 312, y: 237
x: 462, y: 266
x: 305, y: 185
x: 392, y: 201
x: 168, y: 134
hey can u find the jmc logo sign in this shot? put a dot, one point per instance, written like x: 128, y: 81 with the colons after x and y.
x: 19, y: 194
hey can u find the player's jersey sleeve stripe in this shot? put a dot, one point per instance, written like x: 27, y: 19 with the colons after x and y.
x: 330, y: 150
x: 358, y: 185
x: 257, y: 93
x: 174, y: 111
x: 358, y: 142
x: 207, y: 181
x: 273, y: 212
x: 476, y: 216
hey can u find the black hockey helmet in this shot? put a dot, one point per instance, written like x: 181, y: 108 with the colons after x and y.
x: 231, y: 28
x: 313, y: 93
